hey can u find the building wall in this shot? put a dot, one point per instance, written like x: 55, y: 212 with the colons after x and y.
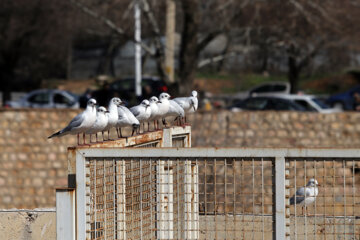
x: 31, y: 166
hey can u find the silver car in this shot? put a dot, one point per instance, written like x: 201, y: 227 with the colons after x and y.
x: 46, y: 98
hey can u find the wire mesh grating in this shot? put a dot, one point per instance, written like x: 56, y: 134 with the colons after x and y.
x: 332, y: 211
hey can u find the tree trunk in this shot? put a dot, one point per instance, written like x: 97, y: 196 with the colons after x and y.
x: 188, y: 58
x: 293, y: 74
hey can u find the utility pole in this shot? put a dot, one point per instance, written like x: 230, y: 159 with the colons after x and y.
x: 137, y: 14
x: 170, y: 39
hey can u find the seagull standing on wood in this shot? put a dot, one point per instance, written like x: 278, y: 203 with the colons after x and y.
x: 154, y: 111
x: 189, y: 104
x: 176, y: 111
x: 126, y: 118
x: 142, y: 112
x: 100, y: 123
x: 163, y: 106
x: 81, y: 123
x: 306, y: 195
x: 113, y: 115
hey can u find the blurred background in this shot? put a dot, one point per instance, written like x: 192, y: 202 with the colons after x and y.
x: 228, y: 50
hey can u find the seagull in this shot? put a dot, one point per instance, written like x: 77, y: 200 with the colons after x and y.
x: 142, y: 112
x: 81, y: 123
x: 306, y: 195
x: 126, y: 118
x: 163, y: 105
x: 100, y: 123
x: 154, y: 110
x: 113, y: 115
x: 189, y: 104
x: 175, y: 110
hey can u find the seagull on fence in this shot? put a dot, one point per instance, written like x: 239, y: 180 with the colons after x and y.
x: 126, y: 118
x: 154, y: 111
x: 100, y: 123
x: 113, y: 115
x: 142, y: 112
x: 189, y: 104
x: 81, y: 123
x: 175, y: 110
x: 306, y: 195
x: 163, y: 105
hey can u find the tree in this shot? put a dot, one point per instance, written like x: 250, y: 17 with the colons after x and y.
x: 33, y: 43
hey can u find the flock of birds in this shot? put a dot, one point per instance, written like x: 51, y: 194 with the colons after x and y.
x: 93, y: 121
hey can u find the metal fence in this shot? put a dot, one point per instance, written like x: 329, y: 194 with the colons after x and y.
x: 206, y: 193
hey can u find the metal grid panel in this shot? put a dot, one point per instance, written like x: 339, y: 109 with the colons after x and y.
x: 334, y: 212
x: 236, y: 198
x: 172, y: 198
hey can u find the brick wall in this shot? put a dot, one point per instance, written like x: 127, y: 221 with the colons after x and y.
x: 31, y: 166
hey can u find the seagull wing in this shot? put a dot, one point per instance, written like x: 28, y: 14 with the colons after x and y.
x: 75, y: 122
x: 298, y: 197
x: 135, y: 110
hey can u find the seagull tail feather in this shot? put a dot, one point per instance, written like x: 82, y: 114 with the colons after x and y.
x: 57, y: 134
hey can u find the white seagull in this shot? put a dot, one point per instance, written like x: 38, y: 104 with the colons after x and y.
x: 154, y: 110
x: 100, y: 123
x: 113, y: 115
x: 126, y: 118
x: 306, y: 195
x: 142, y: 112
x: 189, y: 104
x: 81, y: 123
x: 163, y: 106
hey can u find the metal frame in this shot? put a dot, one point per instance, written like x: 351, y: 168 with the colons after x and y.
x: 280, y: 188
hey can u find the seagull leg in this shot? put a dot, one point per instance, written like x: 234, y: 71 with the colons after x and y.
x: 132, y: 134
x: 78, y: 139
x: 120, y: 133
x: 164, y: 122
x: 84, y: 140
x: 102, y: 133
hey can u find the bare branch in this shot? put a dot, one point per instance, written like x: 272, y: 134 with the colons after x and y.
x: 108, y: 23
x: 102, y: 19
x: 218, y: 58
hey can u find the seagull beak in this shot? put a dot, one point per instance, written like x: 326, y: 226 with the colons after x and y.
x: 121, y: 103
x: 107, y: 111
x: 159, y: 101
x: 194, y: 108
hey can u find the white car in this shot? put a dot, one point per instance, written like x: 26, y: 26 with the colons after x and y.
x: 265, y: 89
x: 309, y: 102
x: 46, y: 98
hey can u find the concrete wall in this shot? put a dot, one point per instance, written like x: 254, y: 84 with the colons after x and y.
x: 28, y: 225
x: 31, y: 166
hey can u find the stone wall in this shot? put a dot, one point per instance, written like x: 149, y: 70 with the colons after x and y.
x: 276, y: 129
x: 31, y: 166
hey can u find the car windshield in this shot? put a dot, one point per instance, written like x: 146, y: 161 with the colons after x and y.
x: 321, y: 103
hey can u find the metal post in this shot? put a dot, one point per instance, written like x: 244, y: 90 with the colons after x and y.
x: 280, y: 228
x: 65, y: 214
x: 137, y: 15
x: 81, y: 198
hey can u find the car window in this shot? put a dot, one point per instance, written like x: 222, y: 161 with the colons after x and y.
x: 279, y: 104
x: 321, y: 103
x: 305, y: 105
x: 39, y: 98
x: 262, y: 89
x: 61, y: 99
x: 123, y: 85
x: 255, y: 104
x: 279, y: 88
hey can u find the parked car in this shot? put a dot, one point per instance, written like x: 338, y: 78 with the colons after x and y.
x: 266, y: 103
x: 46, y: 98
x: 264, y: 89
x: 309, y: 102
x: 345, y: 100
x: 125, y: 89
